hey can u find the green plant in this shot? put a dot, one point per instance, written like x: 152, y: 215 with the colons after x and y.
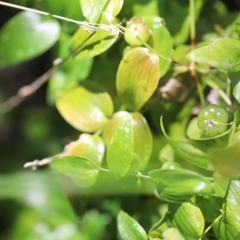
x: 190, y: 173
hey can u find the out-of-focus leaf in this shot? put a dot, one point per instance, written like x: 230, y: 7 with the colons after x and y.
x: 226, y: 160
x: 222, y: 53
x: 69, y: 74
x: 193, y: 132
x: 128, y: 228
x: 39, y: 190
x: 189, y: 220
x: 26, y: 36
x: 82, y: 171
x: 120, y: 150
x: 178, y: 185
x: 161, y: 42
x: 166, y: 154
x: 187, y: 151
x: 32, y: 225
x: 137, y: 77
x: 84, y: 110
x: 87, y: 146
x: 172, y: 234
x: 113, y: 7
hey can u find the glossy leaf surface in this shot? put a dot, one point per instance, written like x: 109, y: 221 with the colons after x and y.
x: 137, y: 77
x: 26, y: 36
x: 84, y: 110
x: 129, y: 228
x: 87, y: 146
x: 82, y: 171
x: 222, y: 53
x: 120, y: 150
x: 189, y: 220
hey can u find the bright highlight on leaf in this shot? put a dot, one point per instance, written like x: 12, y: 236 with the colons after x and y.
x: 84, y: 110
x: 137, y: 77
x: 120, y: 150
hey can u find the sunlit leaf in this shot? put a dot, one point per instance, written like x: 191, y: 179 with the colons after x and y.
x: 222, y: 53
x: 120, y: 150
x: 84, y: 110
x: 172, y: 234
x: 87, y: 43
x: 193, y: 132
x: 137, y: 77
x: 129, y: 228
x: 87, y: 146
x: 189, y: 220
x: 92, y: 9
x: 82, y: 171
x: 26, y: 36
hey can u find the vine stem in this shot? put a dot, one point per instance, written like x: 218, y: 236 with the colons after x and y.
x: 192, y: 66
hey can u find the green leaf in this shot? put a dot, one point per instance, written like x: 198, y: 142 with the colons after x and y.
x: 128, y: 228
x: 120, y: 150
x: 137, y: 77
x: 172, y: 234
x: 82, y: 171
x: 226, y: 160
x: 178, y: 185
x: 87, y: 146
x: 26, y: 36
x: 84, y: 110
x: 92, y: 9
x: 142, y: 138
x: 222, y: 53
x: 162, y: 42
x: 189, y: 220
x: 113, y: 7
x: 39, y: 190
x: 90, y: 43
x: 187, y: 151
x: 193, y: 132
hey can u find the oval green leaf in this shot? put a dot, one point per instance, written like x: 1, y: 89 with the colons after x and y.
x: 120, y: 150
x: 162, y: 42
x: 178, y: 185
x: 87, y: 146
x: 189, y: 220
x: 84, y: 110
x: 142, y: 138
x: 82, y: 171
x: 222, y: 53
x: 26, y: 36
x: 128, y: 228
x: 137, y: 77
x: 193, y: 132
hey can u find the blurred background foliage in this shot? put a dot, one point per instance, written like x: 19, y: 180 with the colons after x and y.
x: 40, y: 204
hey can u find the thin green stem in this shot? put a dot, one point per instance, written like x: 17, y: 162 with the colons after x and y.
x: 192, y: 21
x: 140, y: 175
x: 201, y: 95
x: 104, y: 170
x: 209, y: 227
